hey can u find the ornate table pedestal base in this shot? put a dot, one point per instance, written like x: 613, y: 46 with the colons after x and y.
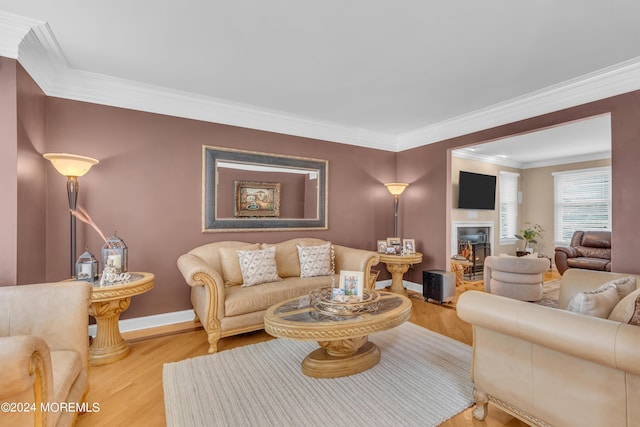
x: 341, y: 358
x: 108, y: 345
x: 397, y: 273
x: 107, y: 302
x: 397, y: 265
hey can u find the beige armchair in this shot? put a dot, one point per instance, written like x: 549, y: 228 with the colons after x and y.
x: 515, y: 277
x: 44, y: 353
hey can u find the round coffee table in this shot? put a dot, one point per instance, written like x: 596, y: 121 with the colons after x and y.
x: 344, y: 345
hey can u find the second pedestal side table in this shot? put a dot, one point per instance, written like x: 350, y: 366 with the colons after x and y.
x: 397, y: 265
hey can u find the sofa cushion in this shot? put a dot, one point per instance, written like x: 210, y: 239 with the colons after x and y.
x: 230, y: 264
x: 597, y: 303
x: 625, y: 309
x: 242, y: 300
x: 258, y: 266
x: 315, y: 260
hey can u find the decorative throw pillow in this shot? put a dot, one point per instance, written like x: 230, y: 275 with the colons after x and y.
x: 635, y: 318
x: 258, y: 266
x: 624, y: 310
x: 598, y: 303
x: 315, y: 260
x: 625, y: 285
x: 230, y: 264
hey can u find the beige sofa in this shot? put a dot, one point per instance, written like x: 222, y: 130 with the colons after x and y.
x: 550, y: 366
x: 226, y: 308
x: 44, y: 353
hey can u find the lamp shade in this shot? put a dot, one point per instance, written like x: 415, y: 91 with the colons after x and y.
x: 71, y: 164
x: 396, y: 188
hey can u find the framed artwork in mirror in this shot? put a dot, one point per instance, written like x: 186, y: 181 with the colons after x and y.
x: 254, y: 199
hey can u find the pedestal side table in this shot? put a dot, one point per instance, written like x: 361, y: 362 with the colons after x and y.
x: 107, y: 302
x: 397, y: 265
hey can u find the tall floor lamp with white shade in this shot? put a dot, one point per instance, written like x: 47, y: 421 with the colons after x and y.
x: 72, y: 166
x: 396, y: 189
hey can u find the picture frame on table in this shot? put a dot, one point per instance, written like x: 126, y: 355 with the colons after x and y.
x: 382, y: 246
x: 409, y: 246
x: 257, y: 199
x: 395, y: 243
x: 352, y: 285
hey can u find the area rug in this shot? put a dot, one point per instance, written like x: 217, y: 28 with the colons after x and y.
x: 550, y: 294
x: 422, y: 379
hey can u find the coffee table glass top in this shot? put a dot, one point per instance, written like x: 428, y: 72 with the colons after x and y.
x: 299, y: 310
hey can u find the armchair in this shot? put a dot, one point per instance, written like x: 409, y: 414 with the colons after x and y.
x: 515, y: 277
x: 44, y: 352
x: 589, y: 250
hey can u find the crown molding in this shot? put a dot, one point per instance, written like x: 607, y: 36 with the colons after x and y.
x: 33, y: 44
x: 615, y: 80
x: 13, y: 29
x: 469, y: 155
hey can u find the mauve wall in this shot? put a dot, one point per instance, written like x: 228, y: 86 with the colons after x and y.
x: 148, y: 187
x: 32, y: 168
x: 426, y: 205
x: 8, y: 178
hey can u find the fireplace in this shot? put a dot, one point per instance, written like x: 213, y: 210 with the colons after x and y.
x: 476, y: 235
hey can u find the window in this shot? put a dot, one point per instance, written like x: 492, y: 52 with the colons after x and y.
x: 508, y: 207
x: 582, y: 201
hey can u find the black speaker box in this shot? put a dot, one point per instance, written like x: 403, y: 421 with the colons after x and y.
x: 438, y: 285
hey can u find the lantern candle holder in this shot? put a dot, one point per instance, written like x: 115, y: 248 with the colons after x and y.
x: 115, y: 254
x: 87, y: 267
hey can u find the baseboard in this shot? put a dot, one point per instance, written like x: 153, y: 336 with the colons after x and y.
x: 412, y: 286
x: 153, y: 321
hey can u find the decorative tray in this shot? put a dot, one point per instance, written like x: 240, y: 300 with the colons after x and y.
x: 321, y: 299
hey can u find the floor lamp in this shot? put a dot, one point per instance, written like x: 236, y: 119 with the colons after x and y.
x: 72, y: 166
x: 396, y: 189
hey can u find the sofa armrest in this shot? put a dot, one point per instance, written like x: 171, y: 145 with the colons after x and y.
x: 25, y: 361
x: 356, y: 260
x: 197, y: 272
x: 598, y: 340
x: 56, y: 312
x: 569, y: 251
x: 189, y: 265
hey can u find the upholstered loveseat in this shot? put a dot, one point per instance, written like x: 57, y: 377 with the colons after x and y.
x: 44, y: 353
x: 218, y: 273
x: 550, y: 366
x: 590, y: 250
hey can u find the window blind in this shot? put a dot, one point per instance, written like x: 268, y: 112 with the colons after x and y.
x: 582, y: 201
x: 508, y: 192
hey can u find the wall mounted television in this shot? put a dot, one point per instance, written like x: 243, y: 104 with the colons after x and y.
x: 476, y: 191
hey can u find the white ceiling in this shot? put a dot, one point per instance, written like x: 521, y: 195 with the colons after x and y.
x: 391, y: 75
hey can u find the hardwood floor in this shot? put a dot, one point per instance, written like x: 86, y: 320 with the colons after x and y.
x: 129, y: 392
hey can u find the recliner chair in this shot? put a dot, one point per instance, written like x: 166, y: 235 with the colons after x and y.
x: 590, y: 250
